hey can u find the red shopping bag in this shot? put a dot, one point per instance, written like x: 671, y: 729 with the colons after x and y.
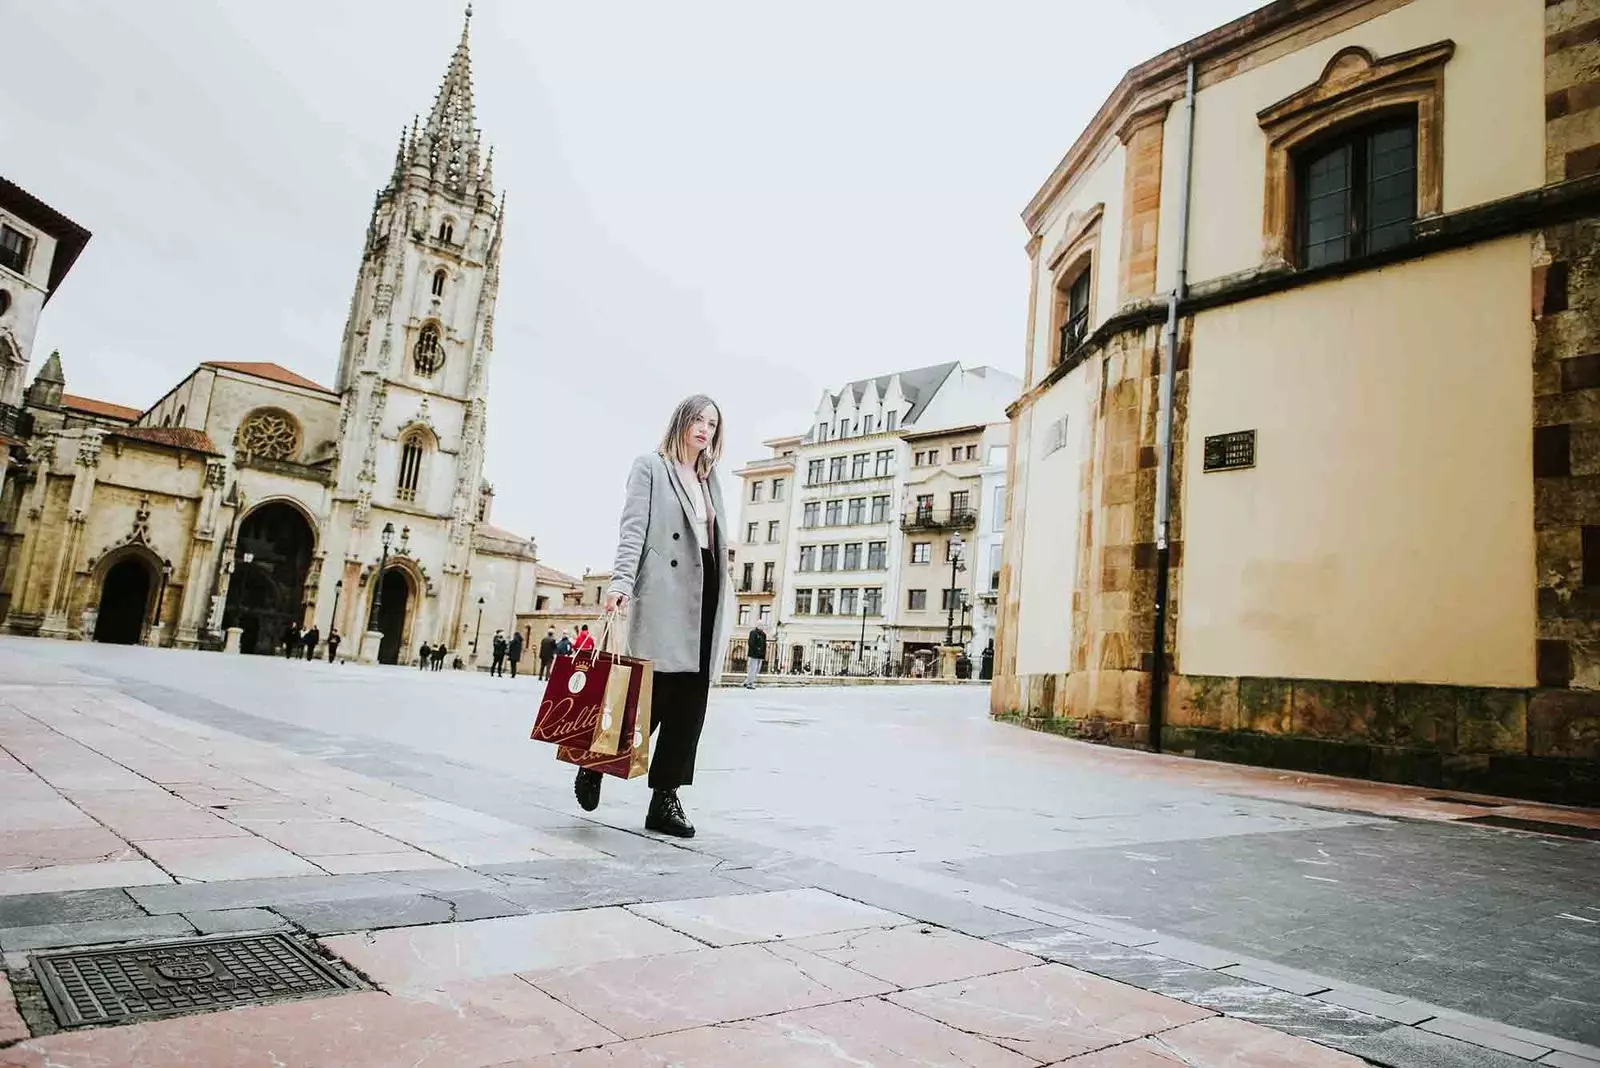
x: 585, y: 699
x: 632, y: 756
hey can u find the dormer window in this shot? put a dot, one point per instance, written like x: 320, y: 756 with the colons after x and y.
x: 438, y: 282
x: 428, y: 355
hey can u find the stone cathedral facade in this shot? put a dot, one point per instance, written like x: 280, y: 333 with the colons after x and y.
x: 249, y: 497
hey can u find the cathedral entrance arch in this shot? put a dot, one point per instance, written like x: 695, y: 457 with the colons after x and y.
x: 125, y: 601
x: 270, y: 561
x: 393, y: 616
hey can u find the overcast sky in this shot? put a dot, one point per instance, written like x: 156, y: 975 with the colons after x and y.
x: 754, y: 199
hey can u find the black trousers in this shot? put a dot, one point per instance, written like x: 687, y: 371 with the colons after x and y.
x: 678, y: 699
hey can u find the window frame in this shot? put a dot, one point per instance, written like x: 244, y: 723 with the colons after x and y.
x: 22, y: 254
x: 833, y: 513
x: 1355, y: 141
x: 777, y: 490
x: 916, y: 600
x: 810, y: 515
x: 881, y: 505
x: 1355, y: 87
x: 856, y: 512
x: 774, y: 530
x: 922, y: 552
x: 877, y: 555
x: 802, y: 602
x: 434, y: 349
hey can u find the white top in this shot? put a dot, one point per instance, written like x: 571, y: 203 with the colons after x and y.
x: 699, y: 503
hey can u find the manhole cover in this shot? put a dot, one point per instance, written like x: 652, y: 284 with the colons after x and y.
x: 140, y: 982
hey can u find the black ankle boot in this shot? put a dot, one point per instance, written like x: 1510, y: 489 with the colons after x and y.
x: 587, y: 787
x: 666, y: 815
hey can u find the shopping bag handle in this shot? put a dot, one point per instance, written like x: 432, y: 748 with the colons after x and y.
x: 602, y: 644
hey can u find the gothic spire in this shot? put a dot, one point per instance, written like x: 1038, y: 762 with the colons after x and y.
x: 451, y: 130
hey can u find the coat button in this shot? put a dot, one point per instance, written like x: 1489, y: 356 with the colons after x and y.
x: 675, y: 537
x: 674, y: 563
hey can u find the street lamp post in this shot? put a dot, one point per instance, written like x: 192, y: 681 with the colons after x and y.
x: 479, y: 632
x: 956, y: 545
x: 383, y: 562
x: 338, y: 588
x: 863, y: 654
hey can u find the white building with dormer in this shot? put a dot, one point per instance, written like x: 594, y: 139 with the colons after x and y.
x: 249, y: 497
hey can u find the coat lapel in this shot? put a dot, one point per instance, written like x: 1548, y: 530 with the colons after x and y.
x: 680, y: 489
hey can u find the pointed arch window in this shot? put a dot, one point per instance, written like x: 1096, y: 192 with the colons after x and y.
x: 429, y: 355
x: 413, y: 449
x: 438, y: 282
x: 447, y: 231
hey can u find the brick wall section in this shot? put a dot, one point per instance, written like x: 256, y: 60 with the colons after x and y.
x: 1141, y: 200
x: 1572, y: 89
x: 1564, y: 715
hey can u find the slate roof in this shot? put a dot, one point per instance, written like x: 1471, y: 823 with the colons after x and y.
x: 177, y: 437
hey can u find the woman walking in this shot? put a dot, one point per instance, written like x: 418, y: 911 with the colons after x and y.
x: 671, y: 550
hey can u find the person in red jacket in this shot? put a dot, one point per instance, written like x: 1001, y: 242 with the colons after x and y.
x: 584, y: 641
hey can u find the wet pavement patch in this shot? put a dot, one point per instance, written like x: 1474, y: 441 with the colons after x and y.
x: 1516, y: 823
x: 134, y: 983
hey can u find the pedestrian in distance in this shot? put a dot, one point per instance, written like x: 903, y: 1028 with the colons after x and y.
x: 423, y: 656
x: 497, y: 666
x: 333, y: 646
x: 755, y: 655
x: 584, y: 642
x: 564, y: 646
x: 670, y: 571
x: 514, y: 651
x: 438, y: 656
x: 312, y: 639
x: 986, y: 663
x: 547, y: 653
x: 291, y: 640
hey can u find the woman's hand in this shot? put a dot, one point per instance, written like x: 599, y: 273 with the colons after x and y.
x: 615, y: 602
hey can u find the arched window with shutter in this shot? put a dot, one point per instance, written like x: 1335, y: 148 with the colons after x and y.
x: 413, y: 449
x: 429, y: 355
x: 438, y: 282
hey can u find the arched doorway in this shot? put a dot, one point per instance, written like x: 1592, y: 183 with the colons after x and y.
x: 392, y: 621
x: 124, y: 601
x: 270, y: 562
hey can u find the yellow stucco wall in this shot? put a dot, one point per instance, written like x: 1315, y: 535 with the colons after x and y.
x: 1100, y: 184
x: 1048, y: 566
x: 1386, y: 532
x: 1493, y: 124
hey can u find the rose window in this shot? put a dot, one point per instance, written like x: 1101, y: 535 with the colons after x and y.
x: 270, y: 436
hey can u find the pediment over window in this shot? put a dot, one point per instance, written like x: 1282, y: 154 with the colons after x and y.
x: 1355, y: 76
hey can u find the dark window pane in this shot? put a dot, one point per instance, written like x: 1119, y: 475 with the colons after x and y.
x: 1325, y: 189
x: 1391, y: 186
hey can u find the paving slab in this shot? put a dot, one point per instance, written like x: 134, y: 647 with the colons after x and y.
x: 223, y: 859
x: 68, y: 906
x: 118, y: 873
x: 638, y: 997
x: 93, y: 932
x: 460, y: 1025
x: 233, y: 921
x: 246, y: 893
x: 12, y: 1028
x: 1049, y: 1012
x: 1218, y: 1043
x: 762, y: 917
x: 378, y: 863
x: 916, y: 955
x: 847, y: 1035
x: 421, y: 956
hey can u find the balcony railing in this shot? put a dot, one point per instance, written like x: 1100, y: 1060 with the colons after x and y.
x: 939, y: 519
x: 15, y: 422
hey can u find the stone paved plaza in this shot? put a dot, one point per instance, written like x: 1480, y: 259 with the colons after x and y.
x: 883, y: 877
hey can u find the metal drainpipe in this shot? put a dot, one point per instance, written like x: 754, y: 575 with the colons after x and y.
x: 1169, y: 372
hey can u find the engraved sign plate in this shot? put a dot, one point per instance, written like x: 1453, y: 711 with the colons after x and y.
x: 1230, y: 452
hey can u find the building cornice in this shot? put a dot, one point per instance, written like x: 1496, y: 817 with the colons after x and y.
x: 1154, y: 85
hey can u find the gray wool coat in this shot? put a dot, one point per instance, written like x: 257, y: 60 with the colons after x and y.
x: 659, y: 569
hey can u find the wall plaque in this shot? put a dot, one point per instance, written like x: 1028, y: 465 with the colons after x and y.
x: 1230, y: 452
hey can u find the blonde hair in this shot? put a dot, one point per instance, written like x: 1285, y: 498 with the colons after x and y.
x: 678, y: 429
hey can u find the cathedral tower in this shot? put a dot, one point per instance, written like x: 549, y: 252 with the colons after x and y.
x: 414, y: 365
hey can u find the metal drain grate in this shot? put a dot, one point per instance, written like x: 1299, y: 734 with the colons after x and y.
x: 1515, y: 823
x: 140, y: 982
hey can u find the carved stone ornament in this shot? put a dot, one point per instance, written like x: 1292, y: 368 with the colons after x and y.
x: 89, y: 450
x: 270, y: 435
